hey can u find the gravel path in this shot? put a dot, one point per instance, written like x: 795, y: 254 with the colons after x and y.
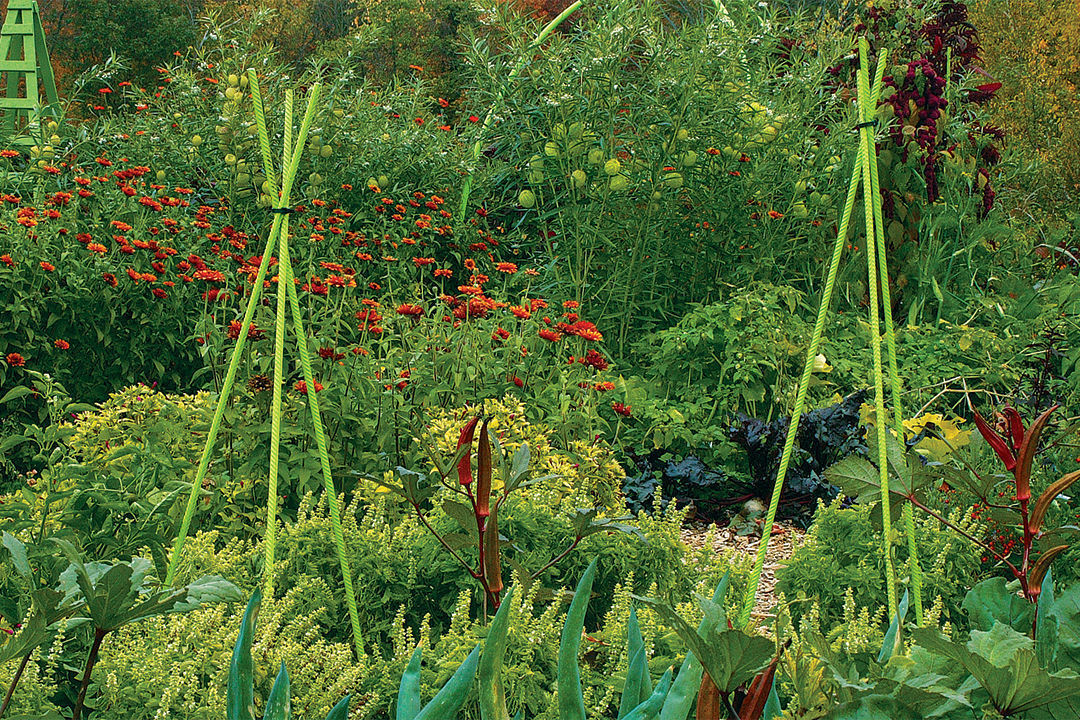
x: 785, y: 538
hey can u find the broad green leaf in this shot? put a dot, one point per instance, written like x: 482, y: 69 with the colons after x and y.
x: 47, y: 607
x: 1066, y: 615
x: 489, y: 674
x: 18, y: 555
x: 991, y: 602
x: 240, y: 691
x: 731, y: 657
x: 684, y: 690
x: 857, y: 478
x: 205, y: 590
x: 279, y: 704
x: 11, y: 442
x: 520, y: 464
x: 1003, y: 662
x: 75, y: 579
x: 16, y: 392
x: 448, y: 701
x: 571, y: 700
x: 872, y: 708
x: 1046, y: 629
x: 463, y: 516
x: 408, y: 698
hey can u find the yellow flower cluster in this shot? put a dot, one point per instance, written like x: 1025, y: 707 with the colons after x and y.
x: 583, y: 475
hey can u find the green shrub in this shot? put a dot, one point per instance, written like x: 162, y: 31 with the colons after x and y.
x: 177, y: 666
x: 842, y: 557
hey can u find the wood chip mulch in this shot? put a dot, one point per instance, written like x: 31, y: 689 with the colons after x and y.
x: 785, y: 538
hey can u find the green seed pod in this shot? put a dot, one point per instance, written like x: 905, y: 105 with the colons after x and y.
x: 612, y: 167
x: 673, y: 180
x: 596, y: 156
x: 578, y: 178
x: 383, y: 181
x: 326, y: 151
x: 551, y: 149
x: 618, y: 182
x: 688, y: 158
x: 526, y: 199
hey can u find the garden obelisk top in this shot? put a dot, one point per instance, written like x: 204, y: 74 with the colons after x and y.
x: 25, y: 71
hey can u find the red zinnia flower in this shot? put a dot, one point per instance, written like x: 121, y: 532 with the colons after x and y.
x: 15, y: 359
x: 551, y: 335
x: 210, y: 275
x: 410, y: 310
x: 585, y: 329
x: 62, y: 344
x: 301, y: 386
x: 621, y: 409
x: 47, y: 267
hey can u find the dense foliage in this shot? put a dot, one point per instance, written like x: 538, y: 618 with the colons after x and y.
x: 557, y: 287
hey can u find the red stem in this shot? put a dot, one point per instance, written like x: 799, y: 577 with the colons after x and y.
x: 468, y: 568
x: 91, y: 659
x: 1016, y: 573
x: 14, y: 682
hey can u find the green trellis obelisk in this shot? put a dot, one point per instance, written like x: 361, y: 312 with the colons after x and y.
x: 864, y: 173
x: 25, y: 72
x: 278, y: 240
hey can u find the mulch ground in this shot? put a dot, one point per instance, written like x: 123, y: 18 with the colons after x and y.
x: 785, y: 538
